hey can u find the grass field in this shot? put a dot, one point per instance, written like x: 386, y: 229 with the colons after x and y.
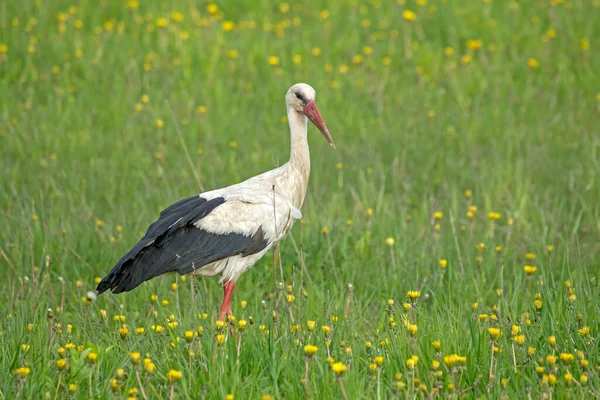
x: 467, y: 170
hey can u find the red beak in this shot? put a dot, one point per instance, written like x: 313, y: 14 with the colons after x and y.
x: 312, y: 112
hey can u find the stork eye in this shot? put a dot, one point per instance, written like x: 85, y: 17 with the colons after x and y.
x: 300, y: 97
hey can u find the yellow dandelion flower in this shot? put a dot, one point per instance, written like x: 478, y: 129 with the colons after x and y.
x: 474, y: 44
x: 149, y: 367
x: 451, y: 360
x: 443, y: 263
x: 585, y: 43
x: 409, y: 16
x: 22, y: 372
x: 123, y: 331
x: 212, y: 9
x: 174, y: 376
x: 159, y: 123
x: 242, y: 324
x: 533, y: 63
x: 273, y: 60
x: 519, y: 339
x: 529, y: 270
x: 220, y: 339
x: 412, y: 329
x: 339, y: 368
x: 357, y: 59
x: 411, y: 363
x: 177, y: 16
x: 92, y: 357
x: 413, y: 295
x: 494, y: 216
x: 567, y: 357
x: 310, y: 350
x: 495, y: 333
x: 228, y: 26
x: 135, y: 357
x: 61, y: 364
x: 233, y: 54
x: 584, y: 331
x: 162, y: 22
x: 390, y: 241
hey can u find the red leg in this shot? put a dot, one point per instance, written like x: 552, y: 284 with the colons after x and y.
x: 226, y: 306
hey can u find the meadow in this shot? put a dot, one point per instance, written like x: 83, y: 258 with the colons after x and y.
x: 449, y: 246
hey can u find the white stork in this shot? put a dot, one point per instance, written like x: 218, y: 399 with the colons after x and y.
x: 225, y: 231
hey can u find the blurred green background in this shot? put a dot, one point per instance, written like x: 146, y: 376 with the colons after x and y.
x: 112, y: 110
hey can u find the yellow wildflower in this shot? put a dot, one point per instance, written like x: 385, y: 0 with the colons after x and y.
x: 310, y: 350
x: 339, y: 368
x: 495, y: 333
x: 228, y: 26
x: 174, y: 376
x: 519, y: 339
x: 135, y: 357
x: 533, y: 63
x: 409, y: 16
x: 413, y: 295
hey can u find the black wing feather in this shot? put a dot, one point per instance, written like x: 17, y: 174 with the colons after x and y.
x: 174, y: 243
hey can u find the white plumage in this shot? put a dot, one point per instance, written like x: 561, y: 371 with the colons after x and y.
x: 226, y: 231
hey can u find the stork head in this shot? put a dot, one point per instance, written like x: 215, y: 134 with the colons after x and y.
x: 301, y: 98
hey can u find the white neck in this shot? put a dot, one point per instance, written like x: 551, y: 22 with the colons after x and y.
x: 299, y: 154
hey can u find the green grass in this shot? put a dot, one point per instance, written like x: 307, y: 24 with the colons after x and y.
x: 418, y: 121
